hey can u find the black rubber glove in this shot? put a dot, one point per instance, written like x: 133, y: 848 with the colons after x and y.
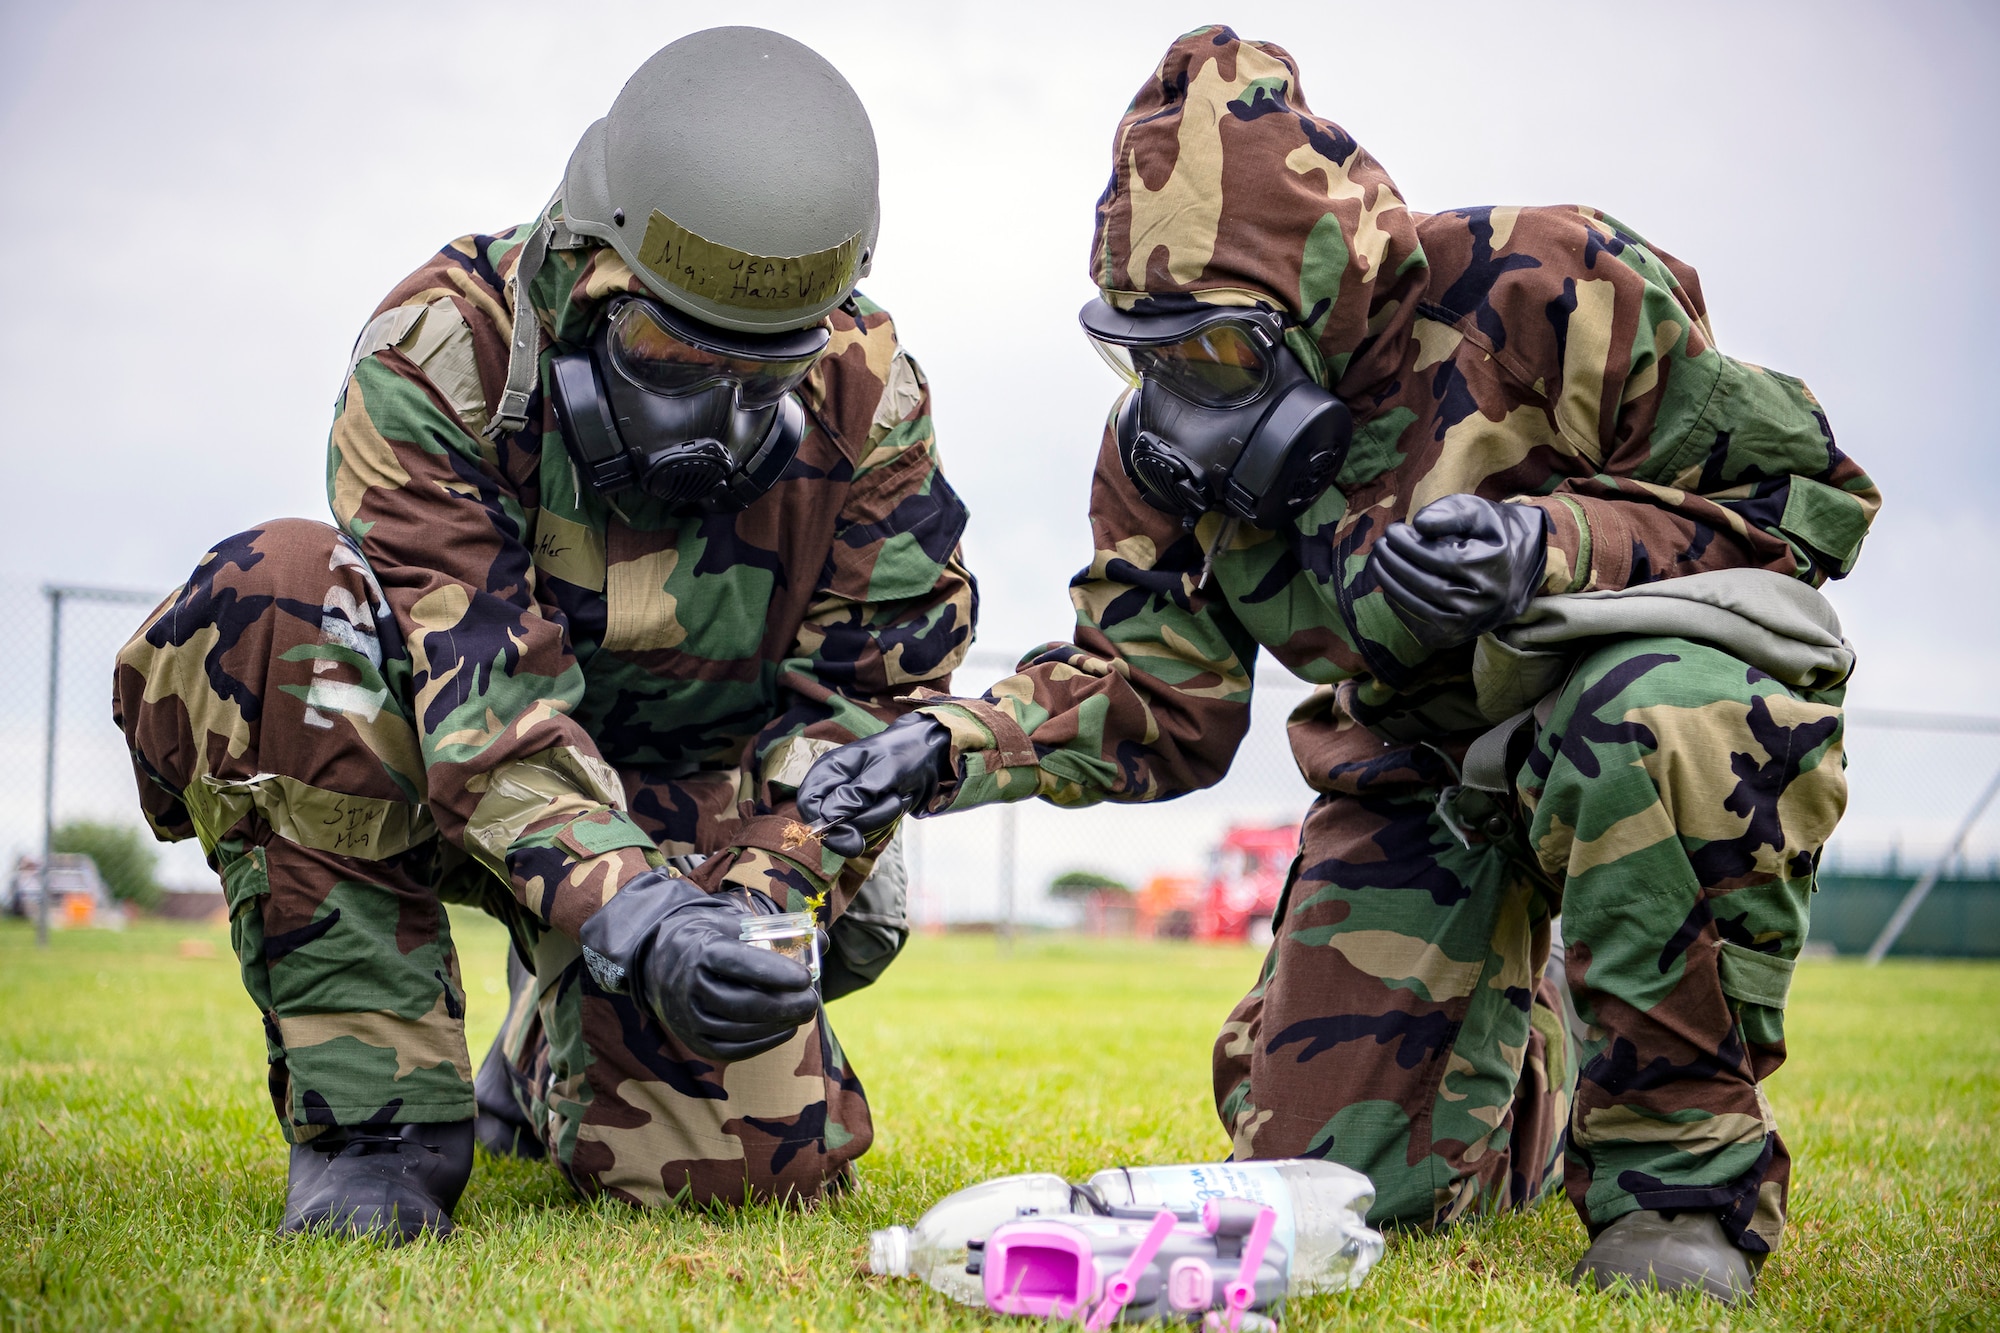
x: 674, y: 948
x: 868, y: 784
x: 1461, y: 567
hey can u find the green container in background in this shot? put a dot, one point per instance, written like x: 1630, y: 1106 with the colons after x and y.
x: 1959, y: 919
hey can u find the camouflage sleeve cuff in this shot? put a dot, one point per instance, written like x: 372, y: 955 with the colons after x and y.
x: 992, y: 758
x: 777, y: 856
x: 567, y: 870
x: 1590, y: 543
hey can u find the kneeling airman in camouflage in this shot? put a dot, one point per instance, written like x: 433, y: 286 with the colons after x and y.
x: 1473, y: 468
x: 638, y: 511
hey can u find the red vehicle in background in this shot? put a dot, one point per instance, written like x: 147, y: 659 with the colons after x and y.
x: 1234, y: 901
x: 1245, y: 876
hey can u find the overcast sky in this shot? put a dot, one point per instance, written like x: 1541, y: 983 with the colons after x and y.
x: 209, y: 200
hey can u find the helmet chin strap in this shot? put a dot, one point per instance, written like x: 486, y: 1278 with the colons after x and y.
x: 523, y: 352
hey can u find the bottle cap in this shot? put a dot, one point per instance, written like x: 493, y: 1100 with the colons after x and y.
x: 889, y: 1252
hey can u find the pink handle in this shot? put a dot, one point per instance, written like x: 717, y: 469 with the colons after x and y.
x: 1121, y: 1287
x: 1243, y: 1290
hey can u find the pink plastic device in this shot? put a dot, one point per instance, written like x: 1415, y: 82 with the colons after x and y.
x: 1243, y: 1290
x: 1048, y: 1270
x: 1039, y: 1268
x: 1121, y: 1287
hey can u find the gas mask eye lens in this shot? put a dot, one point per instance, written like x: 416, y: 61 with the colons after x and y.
x: 1222, y: 365
x: 1119, y: 358
x: 669, y: 354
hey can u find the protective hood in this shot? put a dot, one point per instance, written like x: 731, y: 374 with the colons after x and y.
x: 1227, y: 189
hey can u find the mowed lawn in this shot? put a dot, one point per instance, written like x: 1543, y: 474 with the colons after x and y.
x: 140, y: 1175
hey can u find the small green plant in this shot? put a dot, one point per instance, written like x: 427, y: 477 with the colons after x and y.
x: 124, y: 855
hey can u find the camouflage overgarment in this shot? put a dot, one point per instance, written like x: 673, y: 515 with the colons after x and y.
x: 336, y: 885
x: 496, y: 685
x: 1541, y: 356
x: 1401, y: 1024
x: 552, y: 630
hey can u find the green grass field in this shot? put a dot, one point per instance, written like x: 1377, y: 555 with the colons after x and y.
x: 140, y: 1176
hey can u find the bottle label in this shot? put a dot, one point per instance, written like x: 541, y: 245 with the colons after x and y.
x: 1184, y: 1189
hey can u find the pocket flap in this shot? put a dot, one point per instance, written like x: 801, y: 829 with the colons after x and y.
x: 1755, y: 978
x: 244, y: 878
x: 1826, y: 519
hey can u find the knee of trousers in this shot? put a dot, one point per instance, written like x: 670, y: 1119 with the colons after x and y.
x: 1657, y: 738
x: 199, y: 681
x: 289, y: 559
x: 1668, y: 672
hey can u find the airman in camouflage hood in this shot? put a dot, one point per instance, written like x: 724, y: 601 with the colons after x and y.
x: 1226, y: 189
x: 1552, y: 565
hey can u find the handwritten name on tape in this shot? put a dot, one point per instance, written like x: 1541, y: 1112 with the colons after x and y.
x: 732, y: 277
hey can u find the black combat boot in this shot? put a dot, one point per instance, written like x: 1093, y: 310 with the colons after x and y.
x: 501, y: 1128
x: 1683, y: 1251
x: 392, y: 1182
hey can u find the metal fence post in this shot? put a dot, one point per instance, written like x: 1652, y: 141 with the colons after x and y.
x: 59, y: 594
x: 1899, y: 920
x: 55, y: 596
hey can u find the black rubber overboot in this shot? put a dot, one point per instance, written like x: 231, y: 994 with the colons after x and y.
x: 1683, y: 1251
x: 389, y: 1182
x: 499, y: 1124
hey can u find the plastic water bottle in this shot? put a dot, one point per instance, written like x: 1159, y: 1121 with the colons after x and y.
x: 935, y: 1248
x: 1322, y: 1209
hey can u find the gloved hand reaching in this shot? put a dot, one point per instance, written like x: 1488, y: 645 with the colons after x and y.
x: 867, y: 784
x: 674, y: 948
x: 1461, y: 566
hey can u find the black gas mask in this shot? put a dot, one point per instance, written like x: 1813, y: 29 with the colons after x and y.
x: 1221, y: 417
x: 700, y: 417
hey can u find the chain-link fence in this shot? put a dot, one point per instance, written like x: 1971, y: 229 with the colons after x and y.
x: 56, y: 671
x: 1913, y: 778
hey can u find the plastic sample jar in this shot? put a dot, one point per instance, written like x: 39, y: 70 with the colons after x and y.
x: 793, y: 934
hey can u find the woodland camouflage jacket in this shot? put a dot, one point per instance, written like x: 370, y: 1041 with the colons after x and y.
x: 570, y: 653
x: 1549, y: 356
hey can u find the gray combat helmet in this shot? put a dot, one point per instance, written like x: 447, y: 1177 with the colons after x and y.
x: 736, y: 176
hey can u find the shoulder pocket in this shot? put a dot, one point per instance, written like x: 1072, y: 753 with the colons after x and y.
x: 900, y: 525
x: 437, y: 338
x: 1826, y: 520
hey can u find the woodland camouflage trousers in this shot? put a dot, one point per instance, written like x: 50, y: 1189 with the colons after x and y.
x: 266, y: 704
x: 1672, y: 810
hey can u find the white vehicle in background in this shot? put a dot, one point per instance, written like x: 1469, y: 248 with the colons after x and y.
x: 78, y: 896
